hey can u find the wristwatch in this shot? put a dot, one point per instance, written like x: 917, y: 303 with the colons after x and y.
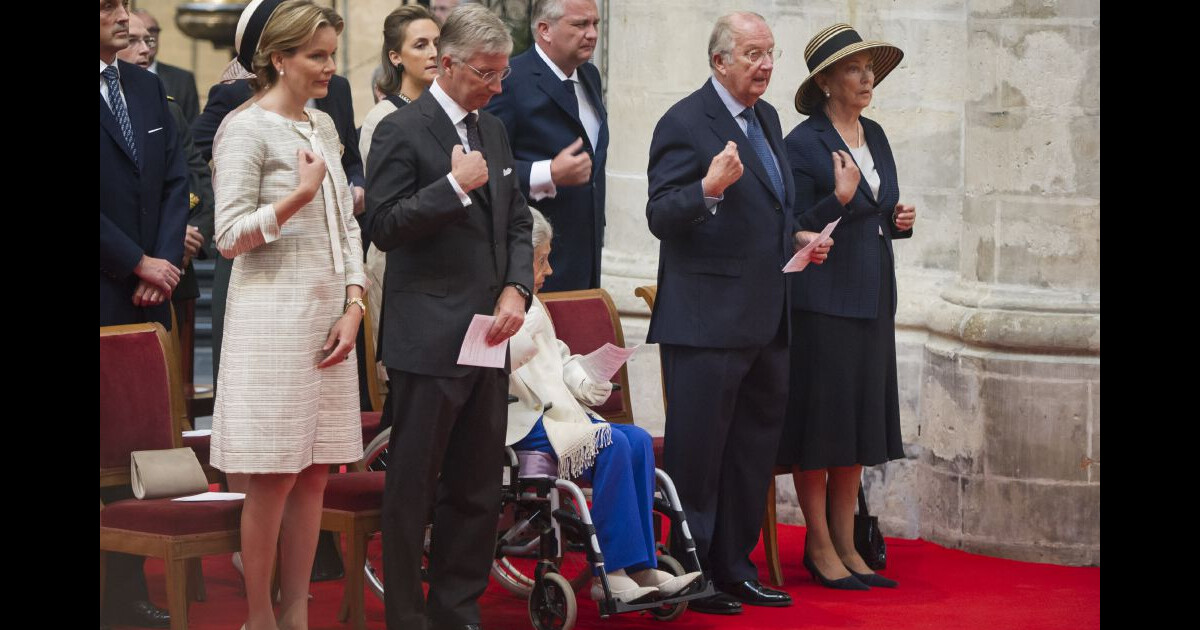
x: 520, y: 289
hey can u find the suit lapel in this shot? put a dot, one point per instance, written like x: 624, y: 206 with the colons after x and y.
x: 833, y: 141
x: 885, y: 171
x: 776, y: 141
x: 108, y: 122
x: 548, y: 82
x: 726, y: 127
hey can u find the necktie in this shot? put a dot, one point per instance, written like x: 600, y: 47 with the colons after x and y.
x: 118, y: 108
x: 473, y: 138
x: 572, y: 98
x: 762, y: 149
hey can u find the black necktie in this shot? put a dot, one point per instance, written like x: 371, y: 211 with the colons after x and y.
x: 473, y: 137
x: 572, y: 98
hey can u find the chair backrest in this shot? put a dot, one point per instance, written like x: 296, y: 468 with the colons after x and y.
x: 586, y: 320
x: 141, y: 397
x: 370, y: 334
x: 648, y: 293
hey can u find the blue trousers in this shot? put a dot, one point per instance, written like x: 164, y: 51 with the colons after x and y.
x: 622, y: 481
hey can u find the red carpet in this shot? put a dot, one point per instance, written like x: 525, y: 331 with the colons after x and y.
x: 939, y: 588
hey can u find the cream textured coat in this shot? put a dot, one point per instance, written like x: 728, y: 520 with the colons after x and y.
x: 275, y: 411
x: 545, y: 371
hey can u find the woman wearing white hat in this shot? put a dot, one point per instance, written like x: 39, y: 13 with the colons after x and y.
x: 843, y: 409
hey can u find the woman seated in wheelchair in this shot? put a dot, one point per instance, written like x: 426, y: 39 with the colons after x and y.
x: 618, y: 459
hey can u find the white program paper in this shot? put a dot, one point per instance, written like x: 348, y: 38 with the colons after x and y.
x: 213, y: 496
x: 602, y: 363
x: 475, y: 349
x: 197, y: 433
x: 802, y: 257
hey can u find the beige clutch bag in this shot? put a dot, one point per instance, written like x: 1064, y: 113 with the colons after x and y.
x: 168, y: 472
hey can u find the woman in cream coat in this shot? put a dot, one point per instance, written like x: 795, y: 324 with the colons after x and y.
x: 617, y: 458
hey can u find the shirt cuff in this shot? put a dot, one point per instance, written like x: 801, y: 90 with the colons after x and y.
x: 462, y: 196
x: 268, y: 223
x: 711, y: 203
x: 541, y: 185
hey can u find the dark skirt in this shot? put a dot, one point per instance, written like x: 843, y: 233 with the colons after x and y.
x: 843, y: 403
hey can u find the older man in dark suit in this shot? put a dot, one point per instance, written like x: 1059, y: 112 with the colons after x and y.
x: 143, y: 210
x: 720, y: 199
x: 181, y: 84
x: 444, y: 203
x: 558, y: 127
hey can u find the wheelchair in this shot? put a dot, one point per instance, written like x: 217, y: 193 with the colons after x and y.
x: 547, y: 548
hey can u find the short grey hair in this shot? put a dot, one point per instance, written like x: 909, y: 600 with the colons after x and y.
x: 721, y: 40
x: 472, y: 29
x: 543, y: 232
x: 548, y: 11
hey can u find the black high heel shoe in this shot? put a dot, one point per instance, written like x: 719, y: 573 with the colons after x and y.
x: 848, y: 583
x: 874, y: 579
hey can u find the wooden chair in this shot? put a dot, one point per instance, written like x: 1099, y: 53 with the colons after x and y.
x: 353, y: 500
x: 769, y: 532
x: 586, y: 320
x: 142, y: 408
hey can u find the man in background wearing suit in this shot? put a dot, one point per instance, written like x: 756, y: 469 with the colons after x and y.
x: 200, y: 202
x: 143, y: 211
x: 558, y: 128
x: 444, y: 203
x: 720, y: 203
x: 181, y: 84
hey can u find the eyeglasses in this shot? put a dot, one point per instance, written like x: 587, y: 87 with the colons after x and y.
x: 488, y: 77
x: 754, y: 55
x: 150, y: 42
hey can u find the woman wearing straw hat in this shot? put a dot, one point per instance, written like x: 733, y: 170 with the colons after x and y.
x: 843, y: 409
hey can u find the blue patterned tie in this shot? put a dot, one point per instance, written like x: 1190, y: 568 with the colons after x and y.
x: 118, y: 108
x: 762, y: 149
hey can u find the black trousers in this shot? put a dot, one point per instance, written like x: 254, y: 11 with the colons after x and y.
x: 452, y: 427
x: 725, y: 410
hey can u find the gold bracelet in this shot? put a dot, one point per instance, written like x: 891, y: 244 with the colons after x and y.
x: 358, y: 301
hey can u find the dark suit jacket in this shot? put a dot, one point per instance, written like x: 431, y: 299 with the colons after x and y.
x: 541, y: 120
x: 847, y: 284
x: 143, y: 203
x: 201, y: 213
x: 181, y: 85
x: 445, y: 262
x: 720, y: 279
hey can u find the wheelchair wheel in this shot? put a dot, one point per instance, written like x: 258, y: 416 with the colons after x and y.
x: 552, y: 604
x: 375, y: 454
x: 516, y: 573
x: 373, y: 567
x: 672, y: 611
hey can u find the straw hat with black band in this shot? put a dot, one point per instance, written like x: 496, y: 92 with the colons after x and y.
x: 832, y: 45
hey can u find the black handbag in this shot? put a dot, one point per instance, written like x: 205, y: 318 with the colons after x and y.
x: 868, y: 540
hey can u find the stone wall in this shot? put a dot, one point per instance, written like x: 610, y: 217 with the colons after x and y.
x: 994, y: 118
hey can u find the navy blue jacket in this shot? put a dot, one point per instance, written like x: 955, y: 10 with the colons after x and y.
x: 720, y: 278
x: 542, y: 120
x: 143, y: 204
x: 847, y: 284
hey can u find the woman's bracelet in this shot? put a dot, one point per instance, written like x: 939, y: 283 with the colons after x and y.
x: 358, y: 301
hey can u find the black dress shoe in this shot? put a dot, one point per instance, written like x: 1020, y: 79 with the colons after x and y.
x: 754, y: 593
x: 874, y: 579
x: 139, y: 613
x: 848, y: 583
x: 718, y: 604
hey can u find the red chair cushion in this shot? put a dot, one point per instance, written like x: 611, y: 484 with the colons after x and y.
x: 135, y: 397
x: 354, y: 491
x: 585, y: 325
x: 172, y: 518
x: 200, y: 444
x: 657, y: 442
x: 370, y: 425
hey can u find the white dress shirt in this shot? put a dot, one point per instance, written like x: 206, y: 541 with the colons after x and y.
x: 458, y: 116
x: 104, y: 85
